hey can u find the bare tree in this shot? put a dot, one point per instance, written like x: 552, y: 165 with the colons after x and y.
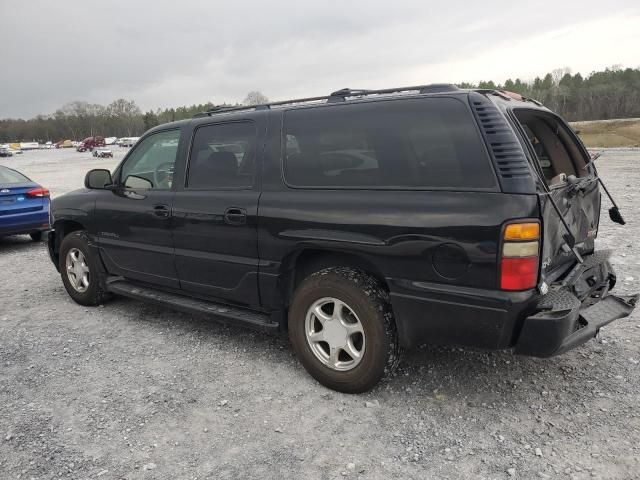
x: 255, y: 97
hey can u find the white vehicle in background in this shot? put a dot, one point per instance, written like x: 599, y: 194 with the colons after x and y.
x: 29, y: 145
x: 102, y: 153
x: 110, y: 140
x: 127, y: 141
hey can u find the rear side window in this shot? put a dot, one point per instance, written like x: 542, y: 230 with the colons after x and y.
x: 223, y: 156
x: 413, y: 143
x: 11, y: 176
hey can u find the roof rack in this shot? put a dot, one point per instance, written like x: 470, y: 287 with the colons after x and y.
x: 337, y: 96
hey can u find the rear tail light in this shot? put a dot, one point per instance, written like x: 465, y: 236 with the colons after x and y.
x: 519, y: 257
x: 38, y: 193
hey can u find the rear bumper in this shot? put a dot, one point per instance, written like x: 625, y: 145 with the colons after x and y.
x: 24, y: 223
x: 574, y: 310
x: 533, y: 324
x: 564, y: 323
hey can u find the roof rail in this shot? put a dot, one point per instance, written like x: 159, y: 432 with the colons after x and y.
x: 337, y: 96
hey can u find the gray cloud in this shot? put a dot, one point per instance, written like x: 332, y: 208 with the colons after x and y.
x: 195, y: 51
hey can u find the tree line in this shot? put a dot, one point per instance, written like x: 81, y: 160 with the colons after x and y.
x: 611, y: 93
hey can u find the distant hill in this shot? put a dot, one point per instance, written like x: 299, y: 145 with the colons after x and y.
x: 624, y: 132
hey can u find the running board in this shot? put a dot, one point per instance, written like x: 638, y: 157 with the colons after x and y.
x: 223, y: 313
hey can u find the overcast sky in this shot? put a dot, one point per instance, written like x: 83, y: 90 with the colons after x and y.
x: 164, y: 54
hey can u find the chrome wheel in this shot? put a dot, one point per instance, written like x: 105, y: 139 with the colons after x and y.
x: 77, y: 270
x: 334, y: 334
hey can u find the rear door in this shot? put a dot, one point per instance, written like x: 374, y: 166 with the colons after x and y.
x: 215, y: 211
x: 569, y: 181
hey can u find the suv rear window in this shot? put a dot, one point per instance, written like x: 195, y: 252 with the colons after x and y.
x: 413, y: 143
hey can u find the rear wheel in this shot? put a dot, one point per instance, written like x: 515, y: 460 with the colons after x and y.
x: 342, y: 329
x: 79, y: 270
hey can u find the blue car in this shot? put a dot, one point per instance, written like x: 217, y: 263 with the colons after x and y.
x: 24, y: 205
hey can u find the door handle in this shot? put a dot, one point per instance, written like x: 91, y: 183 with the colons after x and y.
x: 161, y: 210
x: 235, y: 216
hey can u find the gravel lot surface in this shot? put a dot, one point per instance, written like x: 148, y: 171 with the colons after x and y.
x: 128, y: 390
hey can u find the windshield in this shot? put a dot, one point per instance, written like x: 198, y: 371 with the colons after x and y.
x: 11, y: 176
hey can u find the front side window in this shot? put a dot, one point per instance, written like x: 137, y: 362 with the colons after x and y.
x: 223, y: 156
x: 412, y: 143
x: 151, y: 164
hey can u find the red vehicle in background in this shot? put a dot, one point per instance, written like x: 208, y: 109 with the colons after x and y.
x: 90, y: 143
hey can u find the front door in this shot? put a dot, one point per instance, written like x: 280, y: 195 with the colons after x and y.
x: 133, y: 222
x: 215, y: 213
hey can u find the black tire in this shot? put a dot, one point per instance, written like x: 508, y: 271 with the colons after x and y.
x: 36, y: 236
x: 94, y: 293
x: 370, y: 302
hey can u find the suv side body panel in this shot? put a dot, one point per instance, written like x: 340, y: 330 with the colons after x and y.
x: 436, y: 249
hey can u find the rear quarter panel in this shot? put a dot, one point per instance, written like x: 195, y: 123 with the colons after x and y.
x: 435, y: 236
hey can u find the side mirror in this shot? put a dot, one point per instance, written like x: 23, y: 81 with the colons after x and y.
x: 99, y: 178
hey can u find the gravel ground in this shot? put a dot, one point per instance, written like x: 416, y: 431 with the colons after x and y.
x: 128, y: 390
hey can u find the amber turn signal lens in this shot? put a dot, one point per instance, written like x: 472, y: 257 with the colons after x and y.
x: 522, y: 231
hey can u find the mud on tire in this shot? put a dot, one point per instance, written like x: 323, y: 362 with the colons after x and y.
x: 93, y: 293
x: 369, y: 301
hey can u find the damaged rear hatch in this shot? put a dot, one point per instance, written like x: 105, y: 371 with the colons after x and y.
x: 576, y: 279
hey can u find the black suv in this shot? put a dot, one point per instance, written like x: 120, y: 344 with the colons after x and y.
x: 362, y: 222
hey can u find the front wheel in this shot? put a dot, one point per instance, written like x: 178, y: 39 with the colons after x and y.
x: 79, y: 270
x: 342, y: 329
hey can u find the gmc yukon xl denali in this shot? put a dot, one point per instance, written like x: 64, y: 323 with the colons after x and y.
x: 364, y: 222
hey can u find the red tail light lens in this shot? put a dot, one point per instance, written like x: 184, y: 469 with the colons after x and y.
x: 38, y: 193
x: 518, y: 273
x: 520, y: 256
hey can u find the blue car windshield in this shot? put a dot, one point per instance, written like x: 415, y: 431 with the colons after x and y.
x: 11, y: 176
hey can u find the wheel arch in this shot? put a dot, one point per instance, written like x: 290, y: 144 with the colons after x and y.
x: 303, y: 262
x: 62, y: 228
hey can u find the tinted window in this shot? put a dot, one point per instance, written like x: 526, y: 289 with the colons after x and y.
x: 223, y: 156
x: 150, y: 165
x: 403, y: 143
x: 11, y: 176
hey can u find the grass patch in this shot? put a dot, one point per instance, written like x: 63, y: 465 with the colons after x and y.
x: 610, y: 133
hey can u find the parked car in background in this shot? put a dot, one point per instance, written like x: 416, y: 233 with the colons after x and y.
x: 110, y: 140
x: 90, y: 143
x: 102, y: 153
x: 24, y: 205
x: 365, y: 223
x: 127, y: 141
x: 5, y: 152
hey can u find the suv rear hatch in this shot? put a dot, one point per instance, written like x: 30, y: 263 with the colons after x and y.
x: 578, y: 279
x: 570, y: 185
